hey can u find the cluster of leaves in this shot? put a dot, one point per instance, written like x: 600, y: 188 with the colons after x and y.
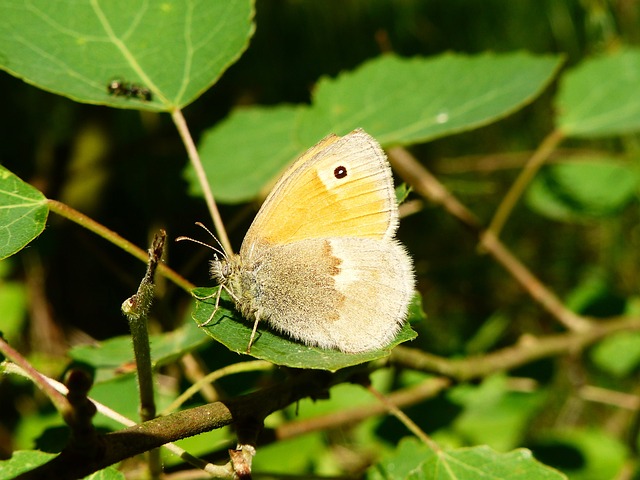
x: 176, y: 50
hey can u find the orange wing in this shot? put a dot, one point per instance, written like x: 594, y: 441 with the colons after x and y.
x: 341, y: 187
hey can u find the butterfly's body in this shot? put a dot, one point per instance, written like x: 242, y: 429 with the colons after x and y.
x: 320, y: 261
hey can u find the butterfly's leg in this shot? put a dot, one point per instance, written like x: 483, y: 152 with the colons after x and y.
x: 215, y: 309
x: 204, y: 298
x: 253, y: 333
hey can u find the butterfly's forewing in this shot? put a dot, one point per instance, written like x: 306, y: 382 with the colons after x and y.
x: 342, y: 187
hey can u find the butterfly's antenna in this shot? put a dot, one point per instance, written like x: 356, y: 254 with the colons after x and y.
x: 222, y: 254
x: 179, y: 239
x: 222, y: 251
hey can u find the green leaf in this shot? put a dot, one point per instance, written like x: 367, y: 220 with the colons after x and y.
x: 618, y: 354
x: 243, y: 153
x: 120, y: 394
x: 402, y: 193
x: 175, y: 48
x: 109, y: 473
x: 277, y: 458
x: 23, y: 213
x: 405, y: 101
x: 592, y: 288
x: 200, y: 445
x: 489, y: 333
x: 229, y: 328
x: 598, y: 454
x: 114, y: 357
x: 397, y: 100
x: 582, y: 190
x: 493, y: 414
x: 601, y: 97
x: 29, y: 431
x: 22, y: 461
x: 416, y: 461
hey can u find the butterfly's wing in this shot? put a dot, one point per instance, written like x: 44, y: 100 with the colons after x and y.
x: 346, y: 293
x: 341, y: 187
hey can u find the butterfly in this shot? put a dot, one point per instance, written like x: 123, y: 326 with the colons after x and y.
x: 320, y: 262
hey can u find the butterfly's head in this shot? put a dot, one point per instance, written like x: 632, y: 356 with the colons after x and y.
x: 220, y: 269
x: 226, y: 269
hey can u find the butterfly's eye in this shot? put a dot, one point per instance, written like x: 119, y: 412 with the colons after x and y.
x: 340, y: 172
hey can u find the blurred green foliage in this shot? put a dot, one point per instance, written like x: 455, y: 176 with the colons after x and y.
x: 578, y: 229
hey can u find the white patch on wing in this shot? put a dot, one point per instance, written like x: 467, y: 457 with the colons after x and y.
x: 351, y: 263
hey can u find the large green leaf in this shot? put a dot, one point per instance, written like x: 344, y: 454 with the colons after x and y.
x: 405, y: 101
x: 238, y: 170
x: 601, y: 97
x: 397, y: 100
x: 416, y: 461
x: 246, y: 151
x: 229, y: 328
x: 175, y: 48
x: 23, y: 213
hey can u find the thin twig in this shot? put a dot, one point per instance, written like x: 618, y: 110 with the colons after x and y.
x: 607, y: 396
x: 404, y: 419
x: 194, y: 157
x: 525, y: 351
x: 136, y: 308
x: 536, y: 289
x: 234, y: 368
x: 427, y: 185
x: 59, y: 401
x: 194, y: 370
x: 81, y: 219
x: 401, y: 398
x: 540, y: 156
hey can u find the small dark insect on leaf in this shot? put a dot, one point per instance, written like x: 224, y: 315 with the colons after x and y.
x: 119, y: 88
x: 141, y: 93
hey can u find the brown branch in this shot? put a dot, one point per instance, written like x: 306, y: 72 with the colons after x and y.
x: 59, y: 400
x: 401, y: 398
x: 493, y: 162
x: 428, y: 186
x: 246, y: 413
x: 527, y: 350
x: 627, y: 401
x: 536, y: 289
